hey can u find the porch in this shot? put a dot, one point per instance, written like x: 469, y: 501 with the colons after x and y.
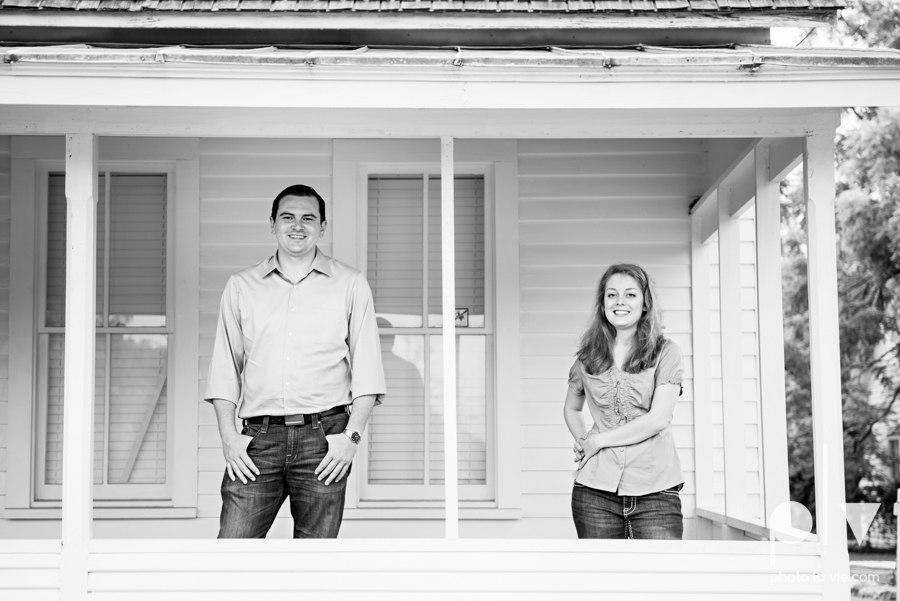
x: 494, y: 120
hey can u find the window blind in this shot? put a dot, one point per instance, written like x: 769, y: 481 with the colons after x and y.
x: 395, y: 259
x: 468, y: 221
x: 130, y: 420
x: 403, y: 254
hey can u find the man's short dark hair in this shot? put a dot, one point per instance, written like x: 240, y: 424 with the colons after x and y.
x: 303, y: 192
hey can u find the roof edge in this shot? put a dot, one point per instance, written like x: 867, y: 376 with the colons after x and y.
x: 410, y: 20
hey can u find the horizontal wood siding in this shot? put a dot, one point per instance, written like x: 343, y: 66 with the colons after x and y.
x: 5, y: 207
x: 238, y: 180
x: 29, y: 570
x: 753, y: 464
x: 391, y: 569
x: 584, y: 205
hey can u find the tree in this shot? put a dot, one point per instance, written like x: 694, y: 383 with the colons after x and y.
x: 868, y: 228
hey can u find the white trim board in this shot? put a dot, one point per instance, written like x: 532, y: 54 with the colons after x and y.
x: 177, y: 85
x: 418, y: 123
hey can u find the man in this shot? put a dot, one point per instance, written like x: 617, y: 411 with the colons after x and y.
x: 297, y: 345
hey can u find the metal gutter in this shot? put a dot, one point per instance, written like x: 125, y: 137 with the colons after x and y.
x: 755, y: 58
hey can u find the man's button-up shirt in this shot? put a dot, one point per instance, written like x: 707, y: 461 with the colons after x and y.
x: 287, y: 347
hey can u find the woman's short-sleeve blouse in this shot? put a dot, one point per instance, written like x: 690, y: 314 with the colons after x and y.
x: 615, y: 397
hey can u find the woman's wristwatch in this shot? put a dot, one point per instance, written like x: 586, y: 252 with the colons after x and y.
x: 353, y: 435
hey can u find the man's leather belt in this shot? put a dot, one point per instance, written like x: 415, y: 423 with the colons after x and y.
x: 298, y: 419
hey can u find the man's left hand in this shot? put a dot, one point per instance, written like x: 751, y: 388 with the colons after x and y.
x: 336, y: 462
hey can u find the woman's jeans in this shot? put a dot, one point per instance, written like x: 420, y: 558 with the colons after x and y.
x: 601, y: 514
x: 287, y: 457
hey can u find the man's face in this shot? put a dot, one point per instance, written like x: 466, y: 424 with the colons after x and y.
x: 297, y: 227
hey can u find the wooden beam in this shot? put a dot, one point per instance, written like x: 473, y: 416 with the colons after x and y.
x: 78, y: 405
x: 732, y: 357
x: 739, y: 167
x: 448, y: 333
x: 22, y: 294
x: 183, y: 461
x: 413, y: 123
x: 784, y: 156
x: 825, y: 363
x: 508, y: 329
x: 771, y: 335
x: 702, y: 361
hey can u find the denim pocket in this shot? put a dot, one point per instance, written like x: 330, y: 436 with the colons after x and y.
x: 672, y: 492
x: 252, y: 430
x: 333, y: 424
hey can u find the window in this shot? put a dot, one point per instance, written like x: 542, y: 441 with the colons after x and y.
x: 404, y: 456
x: 132, y: 420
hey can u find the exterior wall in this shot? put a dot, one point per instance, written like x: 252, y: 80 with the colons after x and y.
x: 5, y: 170
x: 583, y: 206
x: 753, y: 502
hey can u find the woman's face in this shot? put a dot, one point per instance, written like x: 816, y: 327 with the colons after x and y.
x: 623, y: 301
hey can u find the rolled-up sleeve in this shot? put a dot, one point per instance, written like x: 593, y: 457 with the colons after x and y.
x: 366, y: 370
x: 226, y: 364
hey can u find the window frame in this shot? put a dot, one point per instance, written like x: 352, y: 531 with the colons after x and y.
x: 180, y: 157
x: 425, y: 495
x: 352, y: 161
x: 104, y: 492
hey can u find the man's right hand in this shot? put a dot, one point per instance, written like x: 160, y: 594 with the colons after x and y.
x: 237, y: 461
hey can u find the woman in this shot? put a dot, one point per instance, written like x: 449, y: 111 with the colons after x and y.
x: 628, y: 476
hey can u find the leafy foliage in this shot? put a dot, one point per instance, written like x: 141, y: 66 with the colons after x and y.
x: 868, y: 228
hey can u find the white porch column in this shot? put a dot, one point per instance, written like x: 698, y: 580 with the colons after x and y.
x: 78, y: 411
x: 448, y: 331
x: 825, y: 364
x: 702, y: 356
x: 771, y: 336
x: 732, y: 359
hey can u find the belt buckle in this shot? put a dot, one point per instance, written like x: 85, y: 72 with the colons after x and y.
x: 294, y: 420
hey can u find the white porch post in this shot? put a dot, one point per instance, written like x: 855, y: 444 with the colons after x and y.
x: 702, y: 355
x: 732, y: 367
x: 448, y: 331
x: 78, y: 410
x: 771, y: 336
x: 825, y: 364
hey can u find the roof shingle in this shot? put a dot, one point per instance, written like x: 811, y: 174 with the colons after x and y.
x: 538, y: 6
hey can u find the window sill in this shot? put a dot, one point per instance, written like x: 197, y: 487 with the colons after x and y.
x: 105, y: 513
x: 430, y: 513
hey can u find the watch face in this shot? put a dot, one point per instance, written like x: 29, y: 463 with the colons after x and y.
x: 354, y: 436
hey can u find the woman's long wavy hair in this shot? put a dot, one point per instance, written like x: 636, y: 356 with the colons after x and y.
x: 596, y: 347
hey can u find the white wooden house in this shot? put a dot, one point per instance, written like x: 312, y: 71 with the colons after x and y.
x: 555, y: 161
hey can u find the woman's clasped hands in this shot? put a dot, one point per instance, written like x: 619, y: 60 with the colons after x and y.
x: 586, y: 447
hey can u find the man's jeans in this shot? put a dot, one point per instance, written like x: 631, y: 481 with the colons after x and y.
x: 601, y: 514
x: 287, y: 457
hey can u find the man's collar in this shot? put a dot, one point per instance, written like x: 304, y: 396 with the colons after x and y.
x: 322, y: 264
